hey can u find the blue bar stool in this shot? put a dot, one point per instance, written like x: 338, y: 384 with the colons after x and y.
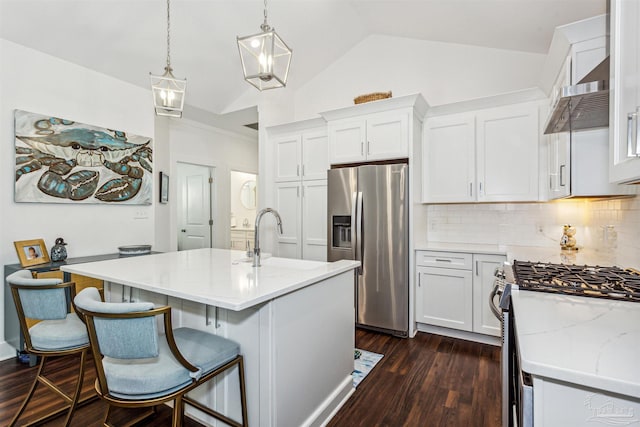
x: 139, y: 367
x: 58, y: 333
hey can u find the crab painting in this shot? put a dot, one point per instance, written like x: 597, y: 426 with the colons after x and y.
x: 59, y: 160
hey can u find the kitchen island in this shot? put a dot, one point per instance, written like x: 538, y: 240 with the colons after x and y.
x: 293, y: 319
x: 582, y: 355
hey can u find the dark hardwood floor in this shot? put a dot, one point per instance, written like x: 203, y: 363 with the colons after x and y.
x: 426, y: 381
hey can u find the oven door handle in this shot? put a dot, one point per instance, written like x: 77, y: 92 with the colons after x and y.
x: 492, y: 295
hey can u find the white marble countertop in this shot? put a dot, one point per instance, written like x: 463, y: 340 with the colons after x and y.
x: 593, y: 342
x: 216, y: 277
x: 540, y: 254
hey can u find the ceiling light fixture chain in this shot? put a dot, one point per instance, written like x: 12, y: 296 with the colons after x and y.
x: 265, y: 27
x: 169, y: 35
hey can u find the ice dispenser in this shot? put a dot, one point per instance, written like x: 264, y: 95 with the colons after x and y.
x: 341, y: 236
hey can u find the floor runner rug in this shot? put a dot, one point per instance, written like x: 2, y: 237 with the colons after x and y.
x: 364, y: 362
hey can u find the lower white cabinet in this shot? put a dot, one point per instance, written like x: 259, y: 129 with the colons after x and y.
x: 453, y: 290
x: 239, y: 239
x: 303, y: 208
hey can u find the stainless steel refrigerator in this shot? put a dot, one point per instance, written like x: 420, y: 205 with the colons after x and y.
x: 368, y: 220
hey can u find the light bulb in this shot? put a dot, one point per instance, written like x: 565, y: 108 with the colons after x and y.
x: 255, y: 43
x: 163, y: 95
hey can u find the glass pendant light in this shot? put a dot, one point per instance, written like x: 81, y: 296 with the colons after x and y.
x: 168, y: 91
x: 265, y: 57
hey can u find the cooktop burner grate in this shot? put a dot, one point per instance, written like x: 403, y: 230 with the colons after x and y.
x: 592, y: 281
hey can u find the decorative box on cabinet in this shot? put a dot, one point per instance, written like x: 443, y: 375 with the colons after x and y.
x: 379, y: 130
x: 487, y: 155
x: 453, y: 290
x: 624, y: 95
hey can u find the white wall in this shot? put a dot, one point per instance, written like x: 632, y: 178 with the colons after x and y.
x: 196, y: 143
x: 442, y: 72
x: 39, y: 83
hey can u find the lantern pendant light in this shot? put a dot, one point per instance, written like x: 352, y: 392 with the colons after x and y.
x: 265, y: 57
x: 168, y: 91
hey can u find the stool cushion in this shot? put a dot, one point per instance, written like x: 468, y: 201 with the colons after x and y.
x: 62, y: 334
x: 149, y: 378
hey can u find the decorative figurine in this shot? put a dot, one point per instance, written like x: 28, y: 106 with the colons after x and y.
x: 567, y: 241
x: 58, y: 251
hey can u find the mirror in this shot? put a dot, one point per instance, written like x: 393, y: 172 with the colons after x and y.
x: 248, y: 194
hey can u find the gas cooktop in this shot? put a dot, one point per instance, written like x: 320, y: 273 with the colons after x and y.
x: 591, y: 281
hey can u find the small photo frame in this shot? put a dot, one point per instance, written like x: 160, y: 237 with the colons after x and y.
x: 32, y: 252
x: 164, y: 188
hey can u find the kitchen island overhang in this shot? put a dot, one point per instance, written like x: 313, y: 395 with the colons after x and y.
x: 294, y: 321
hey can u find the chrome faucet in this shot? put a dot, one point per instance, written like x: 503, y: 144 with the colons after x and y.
x: 256, y: 245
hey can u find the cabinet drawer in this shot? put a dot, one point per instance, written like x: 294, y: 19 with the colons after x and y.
x: 461, y: 261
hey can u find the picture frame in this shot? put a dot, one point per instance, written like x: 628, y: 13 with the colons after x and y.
x: 32, y: 252
x: 164, y: 188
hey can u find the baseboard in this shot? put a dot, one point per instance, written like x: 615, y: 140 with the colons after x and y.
x: 463, y: 335
x: 331, y: 405
x: 7, y: 351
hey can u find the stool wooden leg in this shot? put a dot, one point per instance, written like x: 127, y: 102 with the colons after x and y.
x: 243, y: 393
x: 178, y: 412
x: 76, y: 393
x: 33, y: 388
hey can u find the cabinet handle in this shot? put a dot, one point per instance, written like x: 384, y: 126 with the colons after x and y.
x: 562, y: 168
x: 302, y: 170
x: 362, y: 148
x: 368, y: 147
x: 471, y: 189
x: 419, y: 280
x: 298, y: 170
x: 480, y: 190
x: 297, y: 191
x: 632, y: 134
x: 442, y: 260
x: 477, y: 271
x: 637, y: 153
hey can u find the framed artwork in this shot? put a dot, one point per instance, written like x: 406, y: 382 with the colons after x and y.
x: 63, y: 161
x: 32, y: 252
x: 164, y: 188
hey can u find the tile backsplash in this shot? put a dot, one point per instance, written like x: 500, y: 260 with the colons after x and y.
x: 603, y: 225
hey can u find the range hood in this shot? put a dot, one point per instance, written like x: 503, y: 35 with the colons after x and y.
x: 584, y: 105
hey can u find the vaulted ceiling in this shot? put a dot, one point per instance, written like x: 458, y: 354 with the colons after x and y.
x: 127, y: 39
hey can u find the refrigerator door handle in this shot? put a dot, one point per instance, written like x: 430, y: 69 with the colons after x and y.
x: 354, y: 229
x: 359, y: 234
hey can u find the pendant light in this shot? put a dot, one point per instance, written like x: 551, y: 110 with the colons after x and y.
x: 265, y: 57
x: 168, y: 91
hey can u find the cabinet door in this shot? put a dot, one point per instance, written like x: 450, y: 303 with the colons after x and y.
x: 387, y: 136
x: 288, y: 155
x: 238, y: 240
x: 315, y: 155
x: 507, y: 165
x: 346, y: 141
x: 484, y: 321
x: 444, y: 297
x: 449, y: 159
x: 585, y: 56
x: 559, y: 165
x: 288, y: 206
x: 624, y: 123
x: 314, y: 220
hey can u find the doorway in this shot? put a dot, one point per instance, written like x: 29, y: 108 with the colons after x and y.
x: 195, y: 206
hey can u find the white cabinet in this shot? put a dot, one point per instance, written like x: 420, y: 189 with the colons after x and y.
x: 449, y: 155
x: 507, y: 161
x: 302, y: 155
x: 453, y: 290
x: 488, y: 155
x: 484, y: 321
x: 300, y: 191
x: 624, y: 101
x: 373, y: 137
x: 560, y: 143
x: 303, y: 208
x: 373, y: 131
x: 240, y: 237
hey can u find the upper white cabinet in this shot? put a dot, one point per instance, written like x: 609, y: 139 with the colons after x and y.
x: 301, y: 155
x: 488, y: 155
x: 449, y: 159
x: 380, y: 130
x: 624, y: 124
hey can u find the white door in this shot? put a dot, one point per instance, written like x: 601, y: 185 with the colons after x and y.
x: 314, y: 220
x: 195, y: 222
x: 288, y: 158
x: 315, y: 155
x: 347, y: 141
